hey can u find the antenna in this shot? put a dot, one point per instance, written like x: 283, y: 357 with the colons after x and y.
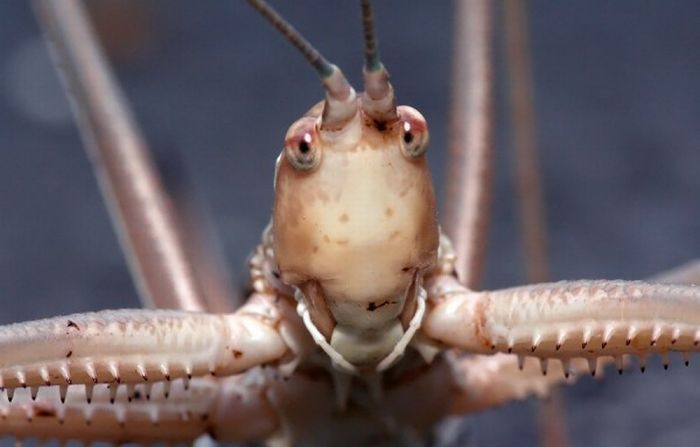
x: 372, y: 62
x: 340, y: 96
x: 378, y: 101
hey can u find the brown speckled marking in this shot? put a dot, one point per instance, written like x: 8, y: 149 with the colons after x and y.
x: 342, y: 242
x: 389, y: 212
x: 44, y: 412
x: 372, y: 306
x: 394, y: 235
x: 72, y: 324
x: 69, y: 354
x: 237, y: 354
x: 344, y: 218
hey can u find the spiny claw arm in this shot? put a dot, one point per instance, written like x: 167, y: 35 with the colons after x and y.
x: 568, y: 320
x: 135, y: 346
x: 243, y: 408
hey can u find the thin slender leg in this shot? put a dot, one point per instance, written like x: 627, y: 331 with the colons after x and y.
x: 469, y: 170
x: 129, y: 182
x: 533, y: 224
x: 203, y: 248
x: 532, y: 214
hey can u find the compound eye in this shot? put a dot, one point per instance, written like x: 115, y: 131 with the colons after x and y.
x: 414, y: 132
x: 301, y: 145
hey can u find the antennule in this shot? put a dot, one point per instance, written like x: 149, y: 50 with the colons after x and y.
x: 340, y: 96
x: 372, y: 62
x: 378, y: 100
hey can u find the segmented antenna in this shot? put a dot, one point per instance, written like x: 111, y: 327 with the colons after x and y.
x: 378, y: 101
x: 311, y: 54
x: 372, y: 62
x: 340, y: 96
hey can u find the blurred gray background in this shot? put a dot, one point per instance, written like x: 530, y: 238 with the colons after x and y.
x: 618, y: 110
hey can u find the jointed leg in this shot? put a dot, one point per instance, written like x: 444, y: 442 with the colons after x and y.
x: 129, y: 181
x: 204, y: 250
x: 144, y: 346
x: 133, y: 346
x: 566, y: 320
x: 469, y: 163
x: 249, y: 407
x: 529, y: 193
x: 182, y: 417
x: 532, y: 219
x: 646, y: 318
x: 95, y: 362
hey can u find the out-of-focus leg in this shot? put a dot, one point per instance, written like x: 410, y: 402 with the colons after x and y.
x: 468, y: 187
x: 204, y: 250
x: 139, y: 205
x: 532, y: 219
x: 259, y: 405
x: 529, y: 193
x: 180, y: 418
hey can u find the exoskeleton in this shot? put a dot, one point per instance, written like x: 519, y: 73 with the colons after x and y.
x: 358, y: 328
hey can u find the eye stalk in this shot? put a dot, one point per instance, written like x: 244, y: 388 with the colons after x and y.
x: 301, y: 145
x: 414, y: 132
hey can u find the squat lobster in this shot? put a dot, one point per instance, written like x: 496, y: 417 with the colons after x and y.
x: 347, y: 151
